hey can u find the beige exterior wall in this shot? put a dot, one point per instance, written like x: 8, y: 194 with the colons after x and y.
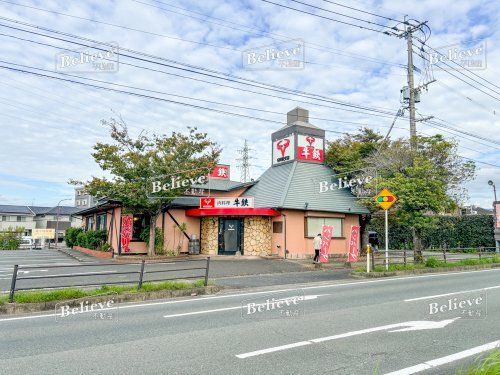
x: 301, y: 247
x: 257, y: 235
x: 173, y: 237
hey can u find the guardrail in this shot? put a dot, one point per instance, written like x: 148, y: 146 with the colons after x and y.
x: 140, y: 272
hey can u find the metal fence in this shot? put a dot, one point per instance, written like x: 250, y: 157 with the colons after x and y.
x: 445, y: 254
x: 140, y: 273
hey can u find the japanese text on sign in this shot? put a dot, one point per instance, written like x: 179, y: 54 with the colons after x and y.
x: 354, y: 244
x: 126, y: 237
x: 326, y: 237
x: 229, y: 202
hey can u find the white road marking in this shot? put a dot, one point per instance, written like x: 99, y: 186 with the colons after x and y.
x: 65, y: 274
x: 306, y: 298
x: 275, y: 349
x: 450, y: 294
x: 202, y: 299
x: 448, y: 359
x: 405, y: 326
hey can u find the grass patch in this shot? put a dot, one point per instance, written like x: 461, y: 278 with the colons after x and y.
x: 486, y: 366
x: 432, y: 262
x: 73, y: 293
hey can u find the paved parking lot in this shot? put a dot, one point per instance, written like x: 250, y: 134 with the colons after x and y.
x: 29, y: 258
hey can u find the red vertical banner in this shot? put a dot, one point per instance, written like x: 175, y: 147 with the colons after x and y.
x: 126, y: 235
x: 497, y: 211
x: 326, y: 238
x: 354, y: 244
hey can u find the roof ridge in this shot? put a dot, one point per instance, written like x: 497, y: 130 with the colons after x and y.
x: 288, y: 182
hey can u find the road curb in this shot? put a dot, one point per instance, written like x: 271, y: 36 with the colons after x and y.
x: 71, y: 255
x: 20, y: 308
x: 372, y: 275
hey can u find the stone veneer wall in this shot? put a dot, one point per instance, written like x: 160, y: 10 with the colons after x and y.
x: 257, y: 235
x: 209, y: 235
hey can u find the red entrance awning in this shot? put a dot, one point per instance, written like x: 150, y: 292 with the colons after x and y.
x: 232, y: 212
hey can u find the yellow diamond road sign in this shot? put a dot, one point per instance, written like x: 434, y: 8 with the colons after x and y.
x: 385, y: 199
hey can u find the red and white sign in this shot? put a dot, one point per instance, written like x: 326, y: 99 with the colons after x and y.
x: 220, y: 171
x: 497, y: 210
x: 229, y: 202
x: 354, y: 244
x: 326, y: 237
x: 283, y: 149
x: 310, y: 148
x: 126, y: 236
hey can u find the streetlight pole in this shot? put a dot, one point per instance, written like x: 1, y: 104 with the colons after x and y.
x: 57, y: 219
x: 495, y: 229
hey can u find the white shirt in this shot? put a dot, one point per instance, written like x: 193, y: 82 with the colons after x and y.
x: 317, y: 243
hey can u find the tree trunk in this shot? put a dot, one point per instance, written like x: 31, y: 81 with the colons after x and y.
x: 417, y: 246
x: 152, y: 235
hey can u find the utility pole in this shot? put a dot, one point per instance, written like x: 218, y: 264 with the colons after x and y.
x: 408, y: 34
x: 411, y: 86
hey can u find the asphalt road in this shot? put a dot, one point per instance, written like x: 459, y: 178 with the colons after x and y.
x: 382, y: 326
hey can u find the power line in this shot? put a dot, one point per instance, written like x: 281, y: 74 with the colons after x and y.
x: 470, y: 78
x: 236, y: 79
x: 363, y: 11
x: 263, y: 32
x: 328, y: 18
x: 340, y: 14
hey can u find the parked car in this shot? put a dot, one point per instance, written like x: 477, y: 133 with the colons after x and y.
x: 27, y: 242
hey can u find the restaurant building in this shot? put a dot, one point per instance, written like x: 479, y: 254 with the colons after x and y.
x: 283, y: 209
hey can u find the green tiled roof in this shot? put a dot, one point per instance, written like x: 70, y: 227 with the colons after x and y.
x: 292, y: 185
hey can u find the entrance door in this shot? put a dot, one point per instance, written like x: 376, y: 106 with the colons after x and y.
x: 230, y: 235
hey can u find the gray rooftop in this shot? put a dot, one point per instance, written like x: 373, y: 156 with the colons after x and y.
x: 11, y: 209
x: 37, y: 210
x: 293, y: 184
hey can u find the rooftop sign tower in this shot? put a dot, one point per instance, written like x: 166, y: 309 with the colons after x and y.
x: 298, y: 140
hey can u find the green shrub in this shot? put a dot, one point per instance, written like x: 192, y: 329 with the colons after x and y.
x: 70, y: 236
x: 81, y: 239
x: 92, y: 239
x: 10, y: 239
x: 159, y: 239
x: 432, y: 262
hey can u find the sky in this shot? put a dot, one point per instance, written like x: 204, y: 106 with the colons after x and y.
x: 48, y: 127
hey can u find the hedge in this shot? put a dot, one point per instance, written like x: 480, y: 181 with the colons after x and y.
x: 92, y: 239
x: 454, y: 231
x: 70, y: 236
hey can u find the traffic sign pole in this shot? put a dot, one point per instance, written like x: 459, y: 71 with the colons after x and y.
x: 386, y: 240
x: 386, y: 199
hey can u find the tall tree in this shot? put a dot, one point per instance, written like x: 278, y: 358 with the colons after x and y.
x: 427, y: 181
x: 135, y: 163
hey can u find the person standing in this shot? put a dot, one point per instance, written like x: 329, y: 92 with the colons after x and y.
x: 317, y: 247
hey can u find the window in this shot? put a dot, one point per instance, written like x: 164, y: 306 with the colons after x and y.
x: 140, y: 223
x: 101, y: 222
x: 4, y: 218
x: 20, y: 218
x: 278, y: 227
x: 89, y: 223
x: 314, y: 224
